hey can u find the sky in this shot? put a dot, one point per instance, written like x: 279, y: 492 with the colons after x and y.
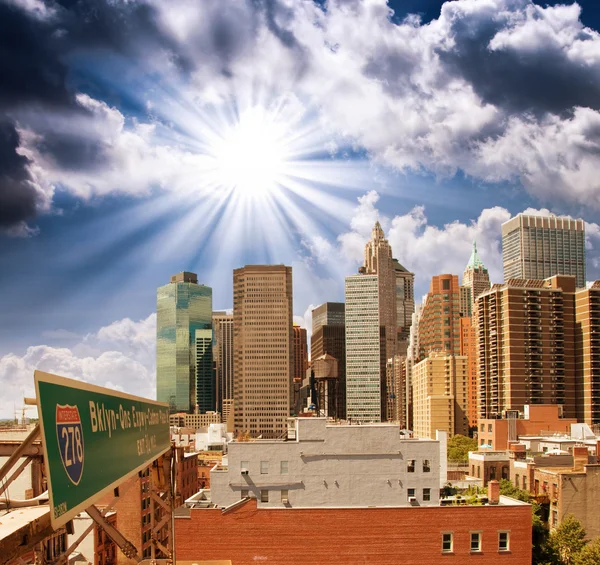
x: 141, y: 138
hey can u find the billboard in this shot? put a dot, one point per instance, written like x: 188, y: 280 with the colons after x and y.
x: 94, y: 438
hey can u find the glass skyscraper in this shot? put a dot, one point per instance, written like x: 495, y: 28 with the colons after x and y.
x: 183, y: 314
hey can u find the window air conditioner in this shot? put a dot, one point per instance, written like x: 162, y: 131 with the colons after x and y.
x: 244, y: 471
x: 284, y: 501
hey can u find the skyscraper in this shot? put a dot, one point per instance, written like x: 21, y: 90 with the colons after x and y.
x: 300, y: 365
x: 300, y: 352
x: 365, y: 350
x: 328, y: 314
x: 440, y: 395
x: 263, y: 349
x: 329, y: 338
x: 526, y: 341
x: 587, y: 340
x: 379, y: 262
x: 439, y: 324
x: 476, y: 279
x: 182, y: 307
x: 405, y: 304
x: 538, y: 247
x: 223, y: 358
x: 205, y: 373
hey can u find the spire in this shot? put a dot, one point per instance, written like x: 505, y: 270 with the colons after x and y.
x: 475, y: 261
x: 377, y: 232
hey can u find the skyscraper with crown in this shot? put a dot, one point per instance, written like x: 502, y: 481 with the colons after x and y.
x: 476, y: 280
x: 379, y: 261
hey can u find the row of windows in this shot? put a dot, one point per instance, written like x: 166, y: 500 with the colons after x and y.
x: 476, y: 539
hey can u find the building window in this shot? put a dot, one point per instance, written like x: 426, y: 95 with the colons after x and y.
x: 447, y: 542
x: 264, y: 467
x: 284, y: 496
x: 244, y: 465
x: 410, y: 492
x: 426, y: 494
x: 264, y: 496
x: 283, y: 468
x: 426, y: 466
x: 244, y: 493
x: 490, y: 428
x: 503, y: 541
x: 411, y: 466
x: 475, y: 541
x: 483, y: 427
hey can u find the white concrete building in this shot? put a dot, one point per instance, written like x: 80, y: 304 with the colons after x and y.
x: 331, y: 465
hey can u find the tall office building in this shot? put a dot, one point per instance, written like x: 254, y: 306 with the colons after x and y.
x: 405, y: 305
x: 206, y: 400
x: 476, y: 280
x: 263, y: 349
x: 183, y: 307
x: 300, y: 352
x: 468, y: 349
x: 366, y: 391
x: 328, y: 314
x: 587, y: 340
x: 300, y: 366
x: 329, y: 338
x: 538, y: 247
x: 223, y: 359
x: 412, y: 358
x: 439, y: 325
x: 526, y: 341
x: 379, y: 262
x: 440, y: 395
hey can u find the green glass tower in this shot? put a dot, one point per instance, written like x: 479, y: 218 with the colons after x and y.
x: 183, y: 313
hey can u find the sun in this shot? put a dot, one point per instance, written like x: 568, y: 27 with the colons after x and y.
x: 250, y: 155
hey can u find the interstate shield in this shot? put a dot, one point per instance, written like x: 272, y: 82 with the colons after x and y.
x: 70, y: 440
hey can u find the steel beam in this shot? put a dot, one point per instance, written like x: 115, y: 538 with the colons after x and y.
x: 124, y: 545
x: 19, y: 452
x: 6, y: 484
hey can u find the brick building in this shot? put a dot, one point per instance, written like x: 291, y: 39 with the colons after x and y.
x: 499, y: 534
x: 535, y: 419
x: 489, y: 465
x: 133, y: 516
x: 186, y: 484
x: 571, y: 490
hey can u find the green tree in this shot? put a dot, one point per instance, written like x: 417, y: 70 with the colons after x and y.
x: 459, y: 447
x: 589, y: 555
x: 508, y: 489
x: 567, y: 540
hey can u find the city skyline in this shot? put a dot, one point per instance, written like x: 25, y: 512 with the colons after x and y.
x: 105, y: 191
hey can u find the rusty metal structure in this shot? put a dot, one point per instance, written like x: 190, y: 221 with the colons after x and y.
x: 28, y: 540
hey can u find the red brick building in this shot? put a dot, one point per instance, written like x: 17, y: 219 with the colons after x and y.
x: 499, y: 534
x: 186, y: 476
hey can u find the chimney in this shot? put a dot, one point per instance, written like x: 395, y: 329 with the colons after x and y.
x: 493, y: 492
x: 580, y: 457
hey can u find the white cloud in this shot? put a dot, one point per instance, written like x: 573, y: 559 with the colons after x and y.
x: 429, y: 250
x: 119, y: 356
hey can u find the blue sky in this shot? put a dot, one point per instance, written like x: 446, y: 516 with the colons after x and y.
x: 118, y: 119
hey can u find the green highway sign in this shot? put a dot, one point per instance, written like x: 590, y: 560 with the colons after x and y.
x: 94, y: 438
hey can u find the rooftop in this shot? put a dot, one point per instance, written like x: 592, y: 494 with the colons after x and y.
x: 475, y: 261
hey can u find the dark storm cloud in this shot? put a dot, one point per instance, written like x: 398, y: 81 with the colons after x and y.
x: 538, y: 80
x: 30, y: 67
x: 33, y: 55
x: 18, y: 197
